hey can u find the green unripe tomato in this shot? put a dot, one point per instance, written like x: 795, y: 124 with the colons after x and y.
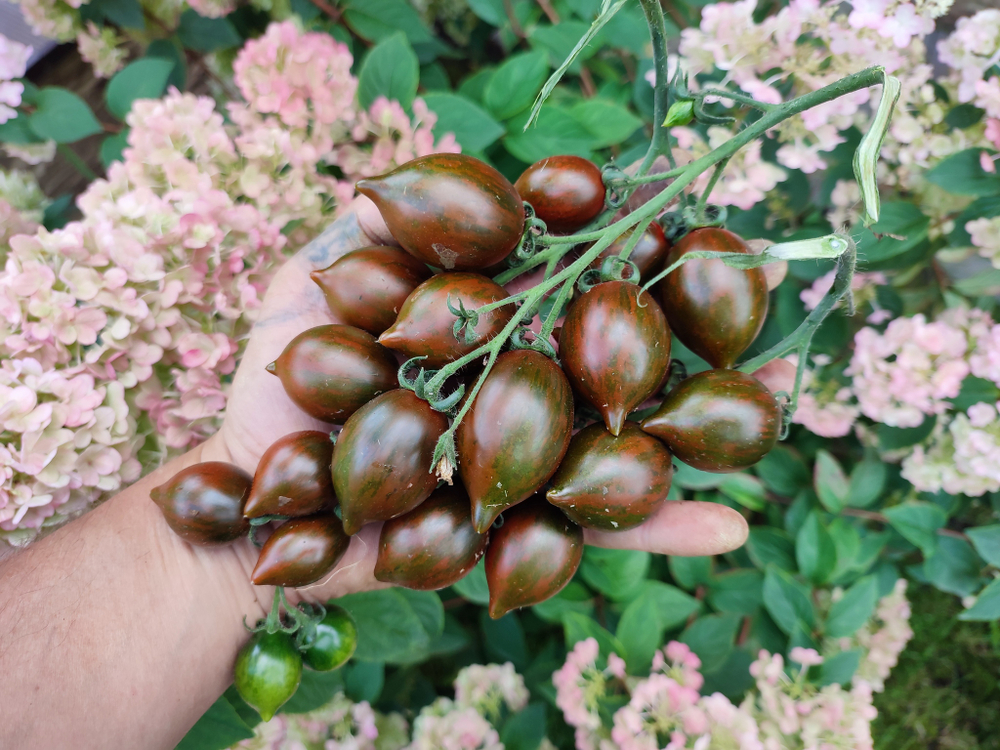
x: 268, y: 671
x: 331, y: 642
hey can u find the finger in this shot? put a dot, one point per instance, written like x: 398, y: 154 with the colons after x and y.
x: 684, y: 528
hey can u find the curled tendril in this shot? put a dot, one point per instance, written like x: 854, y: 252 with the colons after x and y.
x: 674, y: 225
x: 528, y: 246
x: 711, y: 216
x: 613, y: 269
x: 787, y: 410
x: 418, y: 384
x: 518, y: 340
x: 614, y: 178
x: 465, y: 327
x: 679, y: 90
x: 588, y: 280
x: 447, y: 403
x: 256, y: 523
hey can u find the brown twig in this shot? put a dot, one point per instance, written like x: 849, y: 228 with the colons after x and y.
x: 515, y: 25
x: 587, y: 83
x: 549, y: 11
x: 744, y: 631
x: 675, y: 14
x: 332, y: 12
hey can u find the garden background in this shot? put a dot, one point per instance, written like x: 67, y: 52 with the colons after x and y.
x: 150, y: 191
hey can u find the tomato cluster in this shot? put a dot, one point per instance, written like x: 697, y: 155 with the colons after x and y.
x: 528, y: 485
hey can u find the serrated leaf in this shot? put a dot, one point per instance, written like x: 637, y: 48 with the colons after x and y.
x: 577, y: 627
x: 986, y: 540
x: 815, y: 552
x: 62, y: 116
x: 474, y: 129
x: 608, y: 122
x: 711, y: 638
x: 615, y: 573
x: 737, y: 591
x: 853, y: 609
x: 207, y: 34
x: 868, y: 479
x: 787, y: 600
x: 474, y: 587
x: 640, y: 630
x: 987, y: 606
x: 690, y: 572
x: 390, y: 69
x: 954, y: 567
x: 769, y: 546
x: 143, y: 79
x: 840, y: 668
x: 376, y: 20
x: 918, y: 521
x: 515, y: 83
x: 832, y: 486
x: 962, y: 174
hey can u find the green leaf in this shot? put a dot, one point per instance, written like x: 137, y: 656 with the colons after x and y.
x: 473, y: 587
x: 985, y: 208
x: 974, y: 391
x: 694, y: 479
x: 987, y: 606
x: 504, y: 639
x: 428, y: 607
x: 690, y: 572
x: 609, y: 123
x: 218, y: 728
x: 473, y: 128
x: 167, y: 49
x: 954, y: 567
x: 918, y: 521
x: 363, y: 680
x: 17, y: 130
x: 316, y: 690
x: 963, y: 116
x: 746, y: 490
x: 847, y: 545
x: 640, y: 631
x: 738, y: 591
x: 143, y: 79
x: 575, y: 597
x: 901, y: 219
x: 711, y: 638
x: 832, y: 486
x: 814, y: 550
x: 57, y: 213
x: 840, y: 668
x: 514, y: 85
x: 112, y: 147
x: 787, y: 600
x: 853, y: 609
x: 391, y: 70
x: 559, y: 41
x: 389, y: 629
x: 62, y: 116
x: 986, y: 540
x: 783, y: 471
x: 207, y: 34
x: 525, y: 730
x: 124, y: 13
x: 376, y: 20
x: 577, y: 627
x: 769, y: 546
x: 895, y: 438
x: 555, y: 132
x: 614, y: 572
x: 473, y: 88
x: 674, y: 606
x: 868, y: 479
x: 962, y: 174
x: 491, y: 11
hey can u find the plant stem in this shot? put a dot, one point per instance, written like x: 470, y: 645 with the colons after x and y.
x: 748, y: 101
x: 660, y: 143
x: 699, y: 209
x: 78, y: 164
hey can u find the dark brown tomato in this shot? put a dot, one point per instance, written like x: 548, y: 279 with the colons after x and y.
x: 203, y: 504
x: 293, y: 477
x: 515, y: 434
x: 432, y: 546
x: 567, y: 192
x: 331, y: 371
x: 425, y: 326
x: 382, y: 459
x: 302, y: 551
x: 717, y: 311
x: 648, y: 254
x: 612, y: 482
x: 615, y: 348
x: 531, y: 556
x: 367, y: 287
x: 718, y: 420
x: 452, y: 211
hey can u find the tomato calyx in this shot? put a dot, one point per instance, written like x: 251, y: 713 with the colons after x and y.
x: 256, y: 523
x: 613, y: 268
x: 296, y: 617
x: 432, y: 395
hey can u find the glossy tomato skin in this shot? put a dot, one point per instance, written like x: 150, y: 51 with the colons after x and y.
x: 718, y: 420
x: 567, y: 192
x: 293, y: 477
x: 366, y: 288
x: 268, y: 672
x: 612, y: 482
x: 452, y: 211
x: 425, y: 326
x: 531, y: 556
x: 330, y: 371
x: 648, y: 254
x: 432, y: 546
x: 331, y: 642
x: 382, y: 459
x: 203, y: 504
x: 301, y: 551
x: 515, y: 434
x: 717, y: 311
x: 615, y: 348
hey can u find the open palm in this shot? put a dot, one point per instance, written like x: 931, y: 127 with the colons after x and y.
x: 259, y: 412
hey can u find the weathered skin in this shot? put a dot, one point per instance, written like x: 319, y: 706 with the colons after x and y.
x: 293, y: 477
x: 425, y: 324
x: 531, y: 557
x: 612, y: 483
x: 366, y: 288
x: 515, y: 434
x: 450, y: 210
x: 648, y: 254
x: 203, y: 504
x: 718, y: 420
x: 331, y: 371
x: 301, y: 551
x: 382, y: 459
x: 717, y: 311
x: 432, y: 546
x: 615, y: 348
x: 567, y: 192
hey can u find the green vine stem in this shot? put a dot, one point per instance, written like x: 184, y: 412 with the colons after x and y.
x: 660, y: 143
x: 445, y: 458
